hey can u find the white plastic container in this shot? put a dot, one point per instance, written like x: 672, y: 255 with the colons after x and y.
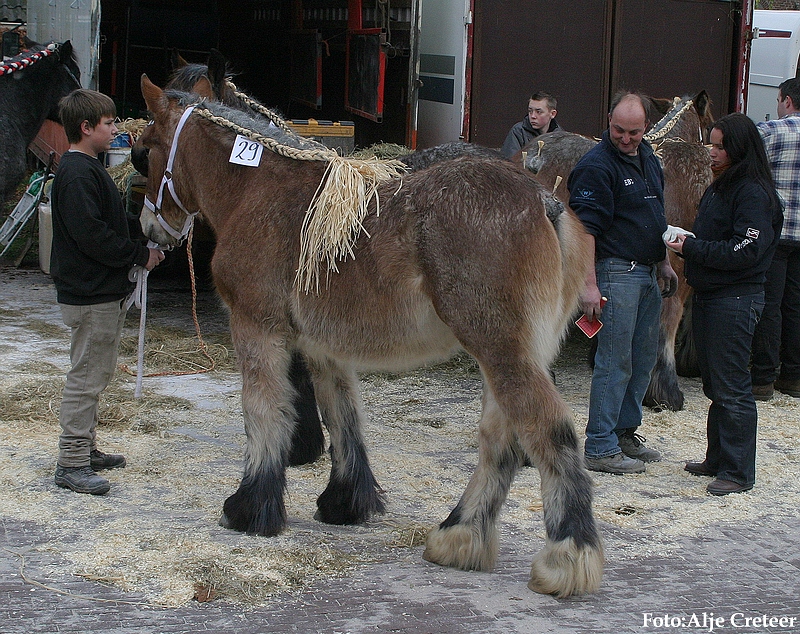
x: 45, y: 236
x: 117, y: 155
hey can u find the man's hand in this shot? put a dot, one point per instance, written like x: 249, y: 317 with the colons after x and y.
x: 156, y: 257
x: 667, y: 278
x: 590, y: 302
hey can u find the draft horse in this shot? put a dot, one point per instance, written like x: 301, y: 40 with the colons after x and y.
x: 212, y: 81
x: 678, y: 140
x: 31, y: 86
x: 459, y: 255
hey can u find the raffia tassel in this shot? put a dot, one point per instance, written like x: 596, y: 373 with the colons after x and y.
x: 334, y: 218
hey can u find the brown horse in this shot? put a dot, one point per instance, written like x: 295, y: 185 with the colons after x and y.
x: 460, y: 255
x: 677, y: 138
x: 213, y: 82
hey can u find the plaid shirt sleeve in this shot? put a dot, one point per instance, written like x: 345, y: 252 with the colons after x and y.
x: 782, y: 143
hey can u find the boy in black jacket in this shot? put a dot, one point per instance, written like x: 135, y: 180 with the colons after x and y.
x: 92, y: 254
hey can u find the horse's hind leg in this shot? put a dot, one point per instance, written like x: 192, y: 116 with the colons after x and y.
x: 572, y: 560
x: 308, y: 440
x: 467, y: 539
x: 352, y: 495
x: 664, y: 391
x: 257, y: 506
x: 523, y: 409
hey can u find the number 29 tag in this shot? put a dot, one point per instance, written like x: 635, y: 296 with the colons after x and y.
x: 246, y: 152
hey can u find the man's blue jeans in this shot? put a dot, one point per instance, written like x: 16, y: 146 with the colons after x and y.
x: 627, y: 346
x: 723, y: 333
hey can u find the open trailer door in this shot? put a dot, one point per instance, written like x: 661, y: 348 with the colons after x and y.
x: 442, y: 70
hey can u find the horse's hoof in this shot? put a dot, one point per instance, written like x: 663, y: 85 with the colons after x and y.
x: 563, y: 569
x: 224, y: 521
x: 459, y: 546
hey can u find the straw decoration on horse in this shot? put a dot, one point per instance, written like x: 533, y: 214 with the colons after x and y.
x: 334, y: 217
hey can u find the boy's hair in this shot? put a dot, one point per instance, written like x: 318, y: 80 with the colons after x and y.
x: 83, y: 105
x: 544, y: 96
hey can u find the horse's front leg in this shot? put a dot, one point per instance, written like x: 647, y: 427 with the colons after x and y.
x: 257, y: 507
x: 308, y: 440
x: 352, y: 495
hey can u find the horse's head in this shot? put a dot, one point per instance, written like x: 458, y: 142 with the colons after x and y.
x: 169, y: 208
x: 188, y: 78
x: 209, y: 81
x: 687, y: 118
x: 68, y: 75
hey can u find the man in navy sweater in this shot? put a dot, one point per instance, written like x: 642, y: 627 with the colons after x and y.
x: 617, y: 190
x: 92, y: 254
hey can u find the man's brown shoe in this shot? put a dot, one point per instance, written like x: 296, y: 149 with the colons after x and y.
x: 699, y: 469
x: 723, y: 487
x: 792, y: 388
x: 763, y: 392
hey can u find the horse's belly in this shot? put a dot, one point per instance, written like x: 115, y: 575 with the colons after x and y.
x: 379, y: 333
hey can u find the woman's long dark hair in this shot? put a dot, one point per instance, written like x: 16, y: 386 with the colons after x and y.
x: 748, y: 159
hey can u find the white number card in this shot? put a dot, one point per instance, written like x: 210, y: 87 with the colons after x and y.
x: 246, y: 152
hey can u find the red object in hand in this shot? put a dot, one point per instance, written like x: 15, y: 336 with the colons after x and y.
x: 591, y: 327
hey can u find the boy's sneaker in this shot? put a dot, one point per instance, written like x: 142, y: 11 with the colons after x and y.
x: 619, y: 464
x: 632, y: 445
x: 81, y: 480
x: 99, y: 460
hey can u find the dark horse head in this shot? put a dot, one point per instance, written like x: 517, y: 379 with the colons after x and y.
x: 31, y: 86
x: 210, y: 80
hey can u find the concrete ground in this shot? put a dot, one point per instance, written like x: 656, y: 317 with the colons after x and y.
x: 734, y: 577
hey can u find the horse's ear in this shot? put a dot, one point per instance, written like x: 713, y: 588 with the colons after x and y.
x: 662, y: 106
x: 702, y: 103
x: 153, y: 96
x: 65, y: 50
x: 176, y: 60
x: 217, y: 68
x: 204, y: 89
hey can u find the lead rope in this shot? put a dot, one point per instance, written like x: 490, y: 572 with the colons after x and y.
x: 138, y: 298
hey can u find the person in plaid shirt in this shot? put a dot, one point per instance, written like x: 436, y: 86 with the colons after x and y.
x: 776, y: 342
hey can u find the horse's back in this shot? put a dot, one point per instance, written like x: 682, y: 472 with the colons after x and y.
x: 462, y: 251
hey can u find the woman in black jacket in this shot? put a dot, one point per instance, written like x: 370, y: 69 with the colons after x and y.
x: 737, y: 228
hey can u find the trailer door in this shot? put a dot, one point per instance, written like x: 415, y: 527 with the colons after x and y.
x: 443, y: 51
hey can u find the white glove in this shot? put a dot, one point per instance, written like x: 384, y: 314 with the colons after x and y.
x: 672, y: 233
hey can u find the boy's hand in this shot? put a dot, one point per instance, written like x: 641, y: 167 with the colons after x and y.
x: 156, y: 257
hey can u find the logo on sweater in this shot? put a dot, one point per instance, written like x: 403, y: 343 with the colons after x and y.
x: 587, y: 194
x: 752, y: 233
x: 627, y: 182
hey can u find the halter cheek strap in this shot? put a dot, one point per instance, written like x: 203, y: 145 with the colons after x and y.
x: 166, y: 181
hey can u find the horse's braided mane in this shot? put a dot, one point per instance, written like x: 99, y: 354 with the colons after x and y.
x: 669, y: 120
x: 334, y: 218
x: 259, y: 107
x: 28, y: 58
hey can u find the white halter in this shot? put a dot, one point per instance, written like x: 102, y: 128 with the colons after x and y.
x: 166, y: 180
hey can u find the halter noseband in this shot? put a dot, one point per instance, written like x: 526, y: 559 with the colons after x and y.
x: 166, y: 181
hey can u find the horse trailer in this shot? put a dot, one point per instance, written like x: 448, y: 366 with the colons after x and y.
x: 774, y: 55
x: 417, y: 72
